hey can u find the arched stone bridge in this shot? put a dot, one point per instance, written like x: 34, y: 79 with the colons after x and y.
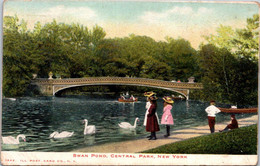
x: 52, y: 86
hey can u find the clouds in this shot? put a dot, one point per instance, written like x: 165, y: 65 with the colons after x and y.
x: 203, y: 11
x: 77, y: 12
x: 119, y: 19
x: 153, y: 17
x: 180, y: 10
x: 174, y: 13
x: 61, y: 13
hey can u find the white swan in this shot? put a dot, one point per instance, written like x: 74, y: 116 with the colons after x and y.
x: 126, y: 125
x: 12, y: 140
x: 91, y: 129
x: 64, y: 134
x: 12, y: 99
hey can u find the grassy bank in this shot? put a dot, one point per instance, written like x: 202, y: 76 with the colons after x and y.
x: 238, y: 141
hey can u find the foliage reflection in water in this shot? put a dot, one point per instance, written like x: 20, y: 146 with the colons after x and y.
x: 38, y: 117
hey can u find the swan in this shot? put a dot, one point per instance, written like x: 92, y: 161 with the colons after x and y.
x: 91, y: 129
x: 64, y: 134
x: 126, y: 125
x: 12, y: 140
x: 12, y: 99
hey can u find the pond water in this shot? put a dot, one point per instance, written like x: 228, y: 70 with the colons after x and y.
x: 38, y: 117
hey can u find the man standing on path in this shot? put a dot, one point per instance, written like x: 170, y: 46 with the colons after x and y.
x: 212, y: 110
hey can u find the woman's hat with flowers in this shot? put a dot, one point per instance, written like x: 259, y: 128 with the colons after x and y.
x: 153, y: 97
x: 149, y: 94
x: 168, y: 99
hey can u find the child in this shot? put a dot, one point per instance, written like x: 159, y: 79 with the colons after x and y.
x: 233, y: 124
x: 152, y: 124
x: 212, y: 110
x: 167, y: 118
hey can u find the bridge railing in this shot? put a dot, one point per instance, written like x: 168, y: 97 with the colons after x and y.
x: 118, y: 80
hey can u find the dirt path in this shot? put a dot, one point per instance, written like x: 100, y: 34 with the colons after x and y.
x: 139, y: 145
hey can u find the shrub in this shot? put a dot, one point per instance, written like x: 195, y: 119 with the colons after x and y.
x: 238, y: 141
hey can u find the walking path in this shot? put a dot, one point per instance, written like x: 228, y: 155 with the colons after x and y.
x: 134, y: 146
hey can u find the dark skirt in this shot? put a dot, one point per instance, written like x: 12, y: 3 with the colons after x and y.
x: 152, y: 124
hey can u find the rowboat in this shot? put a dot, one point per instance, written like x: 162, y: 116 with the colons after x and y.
x: 127, y: 100
x: 239, y: 110
x: 178, y: 97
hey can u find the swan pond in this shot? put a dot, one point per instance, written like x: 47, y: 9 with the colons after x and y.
x: 38, y: 117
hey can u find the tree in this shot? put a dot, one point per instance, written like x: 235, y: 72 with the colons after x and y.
x: 17, y: 65
x: 108, y: 60
x: 234, y: 53
x: 217, y: 68
x: 180, y: 56
x: 137, y: 50
x: 246, y: 41
x: 97, y: 35
x: 241, y: 42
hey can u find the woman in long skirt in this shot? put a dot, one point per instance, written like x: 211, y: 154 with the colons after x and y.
x: 152, y: 124
x: 147, y: 106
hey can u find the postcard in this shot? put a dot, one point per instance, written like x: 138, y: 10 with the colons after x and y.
x: 129, y: 82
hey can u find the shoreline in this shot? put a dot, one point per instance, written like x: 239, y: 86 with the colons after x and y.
x: 142, y: 144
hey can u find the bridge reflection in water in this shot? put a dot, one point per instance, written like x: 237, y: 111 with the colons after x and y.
x: 52, y: 86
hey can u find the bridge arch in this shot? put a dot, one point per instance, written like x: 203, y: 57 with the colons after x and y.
x: 52, y: 86
x: 61, y: 88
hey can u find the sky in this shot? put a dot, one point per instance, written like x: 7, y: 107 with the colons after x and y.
x: 156, y: 19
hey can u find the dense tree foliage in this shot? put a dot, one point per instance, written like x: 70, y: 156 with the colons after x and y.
x: 227, y: 65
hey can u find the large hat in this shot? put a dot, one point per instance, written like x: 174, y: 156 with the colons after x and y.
x: 153, y: 97
x: 168, y: 99
x: 149, y: 94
